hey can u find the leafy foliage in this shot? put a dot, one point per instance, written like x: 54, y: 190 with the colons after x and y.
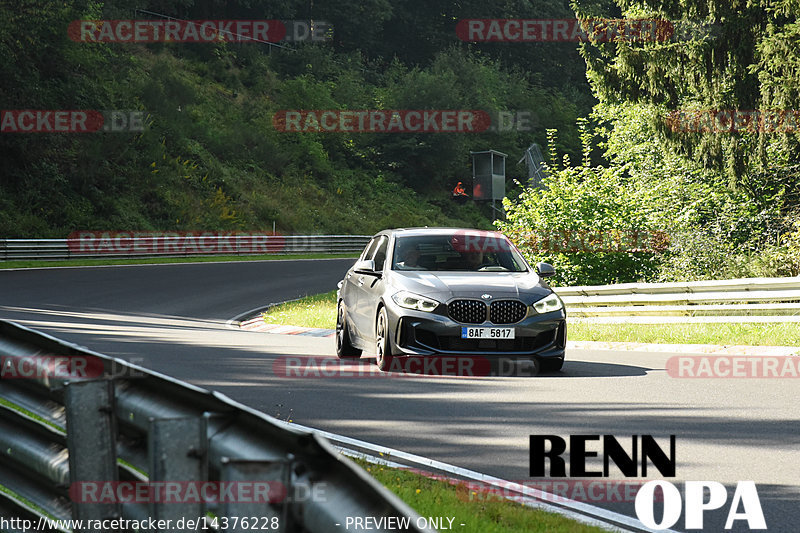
x: 727, y: 201
x: 580, y: 217
x: 210, y: 158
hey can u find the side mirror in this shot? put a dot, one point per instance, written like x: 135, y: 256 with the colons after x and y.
x: 545, y: 270
x: 367, y: 266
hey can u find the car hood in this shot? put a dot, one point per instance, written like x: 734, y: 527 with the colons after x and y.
x: 443, y: 286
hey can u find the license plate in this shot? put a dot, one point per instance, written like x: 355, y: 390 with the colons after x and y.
x: 487, y: 333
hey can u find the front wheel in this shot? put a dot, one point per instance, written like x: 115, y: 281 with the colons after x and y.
x: 344, y: 348
x: 383, y: 349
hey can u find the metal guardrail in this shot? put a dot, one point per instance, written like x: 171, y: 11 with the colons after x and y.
x: 131, y: 245
x: 768, y: 299
x: 60, y: 434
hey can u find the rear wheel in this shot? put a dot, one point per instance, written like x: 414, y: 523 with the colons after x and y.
x: 344, y: 348
x: 383, y: 349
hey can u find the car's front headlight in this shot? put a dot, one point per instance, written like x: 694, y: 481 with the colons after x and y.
x: 548, y: 304
x: 409, y: 300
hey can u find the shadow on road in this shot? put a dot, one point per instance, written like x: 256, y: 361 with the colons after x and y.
x: 452, y: 366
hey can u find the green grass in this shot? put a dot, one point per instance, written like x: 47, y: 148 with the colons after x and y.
x: 776, y: 334
x: 166, y: 260
x: 435, y: 498
x: 319, y: 311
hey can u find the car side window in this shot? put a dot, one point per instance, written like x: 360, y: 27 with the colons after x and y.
x: 380, y: 254
x: 370, y: 248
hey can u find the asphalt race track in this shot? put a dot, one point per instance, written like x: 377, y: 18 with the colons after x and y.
x: 172, y: 318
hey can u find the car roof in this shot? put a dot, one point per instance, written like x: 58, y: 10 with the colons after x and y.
x: 436, y: 231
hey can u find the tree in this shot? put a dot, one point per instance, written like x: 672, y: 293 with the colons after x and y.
x: 722, y: 55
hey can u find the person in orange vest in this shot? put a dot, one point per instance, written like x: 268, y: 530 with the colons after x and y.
x: 459, y: 190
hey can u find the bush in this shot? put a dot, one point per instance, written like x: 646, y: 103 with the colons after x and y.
x: 579, y: 217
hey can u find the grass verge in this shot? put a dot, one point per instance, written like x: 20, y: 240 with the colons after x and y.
x: 752, y: 334
x: 319, y: 311
x: 165, y: 260
x: 440, y: 499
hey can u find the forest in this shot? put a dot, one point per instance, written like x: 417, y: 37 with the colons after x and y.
x: 688, y: 131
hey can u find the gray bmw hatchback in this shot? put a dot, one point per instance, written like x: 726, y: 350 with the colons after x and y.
x: 432, y: 292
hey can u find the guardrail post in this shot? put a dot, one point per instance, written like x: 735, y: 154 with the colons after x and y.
x: 262, y: 476
x: 91, y: 441
x: 163, y: 433
x: 177, y: 453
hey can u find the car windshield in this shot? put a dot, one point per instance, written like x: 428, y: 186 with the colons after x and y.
x: 457, y: 252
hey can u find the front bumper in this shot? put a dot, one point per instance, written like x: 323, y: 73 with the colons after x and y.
x: 417, y: 333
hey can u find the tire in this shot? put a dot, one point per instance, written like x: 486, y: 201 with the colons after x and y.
x: 551, y: 364
x: 383, y: 348
x: 344, y: 348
